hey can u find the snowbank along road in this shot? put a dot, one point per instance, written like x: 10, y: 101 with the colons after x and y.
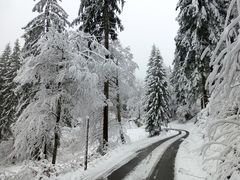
x: 162, y: 168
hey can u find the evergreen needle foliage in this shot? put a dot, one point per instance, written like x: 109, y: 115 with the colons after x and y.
x: 157, y: 96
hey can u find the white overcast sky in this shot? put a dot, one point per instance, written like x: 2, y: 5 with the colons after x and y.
x: 146, y: 22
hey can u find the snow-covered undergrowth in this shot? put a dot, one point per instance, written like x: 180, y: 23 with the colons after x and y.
x: 221, y: 149
x: 201, y: 157
x: 189, y: 162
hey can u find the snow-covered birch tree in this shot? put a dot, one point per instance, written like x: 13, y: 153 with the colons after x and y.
x: 50, y: 14
x: 67, y: 88
x: 123, y: 78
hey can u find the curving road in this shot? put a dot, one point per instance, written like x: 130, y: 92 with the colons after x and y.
x: 164, y: 169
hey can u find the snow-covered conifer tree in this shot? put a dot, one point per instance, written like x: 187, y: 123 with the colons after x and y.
x: 5, y: 61
x: 9, y: 100
x: 201, y: 23
x: 91, y: 17
x: 156, y: 97
x: 51, y: 14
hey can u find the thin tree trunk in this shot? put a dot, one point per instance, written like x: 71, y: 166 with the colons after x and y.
x: 47, y: 25
x: 106, y: 24
x: 86, y: 146
x: 105, y: 115
x: 204, y: 92
x: 45, y: 150
x: 106, y: 83
x: 56, y: 131
x: 119, y: 119
x: 139, y: 113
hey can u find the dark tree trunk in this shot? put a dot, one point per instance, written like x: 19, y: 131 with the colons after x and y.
x: 106, y: 24
x: 106, y: 83
x: 204, y: 100
x: 105, y: 115
x: 45, y: 150
x: 139, y: 113
x: 56, y: 131
x: 86, y: 146
x: 119, y: 119
x: 47, y: 20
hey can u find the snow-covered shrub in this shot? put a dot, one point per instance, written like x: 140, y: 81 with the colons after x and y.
x: 186, y: 113
x: 5, y: 148
x: 30, y: 170
x: 183, y: 113
x: 223, y: 147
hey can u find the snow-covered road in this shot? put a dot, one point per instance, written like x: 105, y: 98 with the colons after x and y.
x: 114, y: 160
x: 165, y: 168
x: 146, y: 164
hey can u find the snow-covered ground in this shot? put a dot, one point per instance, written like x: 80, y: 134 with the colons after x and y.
x: 189, y: 162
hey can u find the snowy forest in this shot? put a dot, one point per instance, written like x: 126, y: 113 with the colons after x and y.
x: 72, y: 107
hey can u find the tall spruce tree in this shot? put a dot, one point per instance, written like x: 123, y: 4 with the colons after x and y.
x: 9, y: 99
x: 51, y: 14
x: 201, y: 23
x: 95, y: 15
x: 4, y: 63
x: 100, y: 18
x: 157, y: 96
